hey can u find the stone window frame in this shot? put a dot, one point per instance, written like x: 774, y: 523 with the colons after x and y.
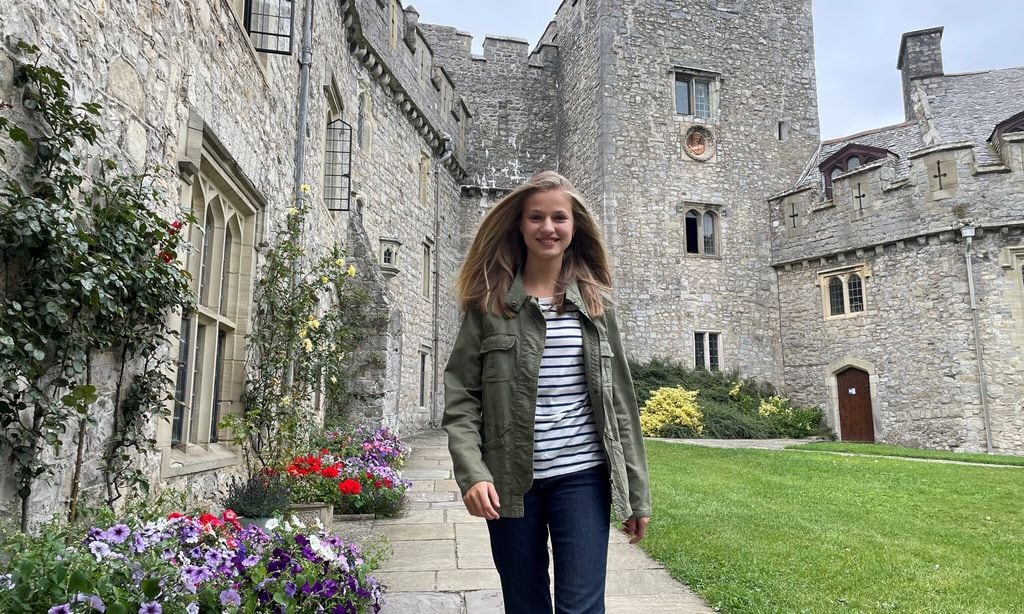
x: 691, y: 76
x: 840, y: 162
x: 703, y: 210
x: 426, y: 267
x: 364, y: 121
x: 210, y: 377
x: 423, y: 185
x: 845, y: 276
x: 240, y: 9
x: 702, y: 350
x: 394, y: 27
x: 423, y: 375
x: 337, y: 161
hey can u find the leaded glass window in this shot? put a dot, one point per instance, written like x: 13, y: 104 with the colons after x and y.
x: 693, y: 95
x: 698, y: 351
x: 181, y: 380
x: 338, y: 166
x: 855, y: 293
x: 709, y: 233
x: 269, y: 24
x: 206, y: 259
x: 835, y: 296
x: 713, y: 351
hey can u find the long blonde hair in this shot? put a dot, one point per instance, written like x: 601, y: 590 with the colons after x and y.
x: 498, y: 252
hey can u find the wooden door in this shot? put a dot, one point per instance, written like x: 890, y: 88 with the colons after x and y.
x: 855, y: 421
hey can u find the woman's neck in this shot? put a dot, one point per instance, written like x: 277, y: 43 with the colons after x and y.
x: 540, y: 278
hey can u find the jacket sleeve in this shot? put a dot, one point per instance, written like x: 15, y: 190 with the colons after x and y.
x: 627, y: 413
x: 462, y: 412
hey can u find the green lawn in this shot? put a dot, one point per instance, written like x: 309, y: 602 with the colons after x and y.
x: 766, y: 531
x: 881, y: 449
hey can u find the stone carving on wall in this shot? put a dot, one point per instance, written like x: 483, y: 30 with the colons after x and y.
x: 699, y: 143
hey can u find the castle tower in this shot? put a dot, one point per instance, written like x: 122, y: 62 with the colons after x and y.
x: 678, y: 120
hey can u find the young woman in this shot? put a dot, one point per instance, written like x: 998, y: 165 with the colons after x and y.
x: 542, y: 421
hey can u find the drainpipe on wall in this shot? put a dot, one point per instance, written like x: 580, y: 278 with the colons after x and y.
x: 968, y: 234
x: 305, y: 60
x: 446, y: 152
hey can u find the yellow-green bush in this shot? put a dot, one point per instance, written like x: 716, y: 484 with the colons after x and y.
x: 672, y: 412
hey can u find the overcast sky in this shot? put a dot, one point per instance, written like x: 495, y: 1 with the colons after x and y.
x: 855, y: 45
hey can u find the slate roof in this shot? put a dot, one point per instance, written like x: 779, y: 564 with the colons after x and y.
x: 900, y: 139
x: 967, y: 108
x: 973, y: 103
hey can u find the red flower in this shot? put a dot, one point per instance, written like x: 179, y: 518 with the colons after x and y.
x: 166, y: 256
x: 329, y: 472
x: 229, y: 515
x: 377, y: 484
x: 175, y: 227
x: 210, y: 519
x: 350, y: 487
x: 174, y: 515
x: 325, y: 451
x: 387, y: 483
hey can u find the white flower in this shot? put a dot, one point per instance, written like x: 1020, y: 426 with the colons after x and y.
x: 272, y: 524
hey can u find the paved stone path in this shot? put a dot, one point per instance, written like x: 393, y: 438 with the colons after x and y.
x: 442, y: 560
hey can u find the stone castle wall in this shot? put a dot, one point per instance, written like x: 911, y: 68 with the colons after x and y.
x: 153, y: 68
x: 512, y: 95
x: 760, y: 55
x: 915, y: 339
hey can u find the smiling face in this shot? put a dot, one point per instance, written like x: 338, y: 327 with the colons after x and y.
x: 547, y: 225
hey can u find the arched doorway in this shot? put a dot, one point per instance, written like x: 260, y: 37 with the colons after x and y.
x: 855, y: 417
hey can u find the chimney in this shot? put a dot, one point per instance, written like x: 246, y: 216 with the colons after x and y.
x: 412, y: 20
x: 920, y: 57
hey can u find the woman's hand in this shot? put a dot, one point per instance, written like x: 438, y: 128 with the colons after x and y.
x: 482, y: 500
x: 636, y: 528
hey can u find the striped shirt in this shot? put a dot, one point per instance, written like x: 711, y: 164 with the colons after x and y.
x: 565, y: 432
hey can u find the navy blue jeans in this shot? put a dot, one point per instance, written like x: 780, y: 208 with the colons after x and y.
x: 575, y: 510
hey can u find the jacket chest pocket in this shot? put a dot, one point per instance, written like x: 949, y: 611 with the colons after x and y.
x: 606, y: 364
x: 498, y: 353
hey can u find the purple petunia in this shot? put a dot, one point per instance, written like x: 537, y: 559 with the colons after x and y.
x: 99, y: 549
x: 117, y: 533
x: 151, y: 608
x: 230, y: 597
x: 64, y: 608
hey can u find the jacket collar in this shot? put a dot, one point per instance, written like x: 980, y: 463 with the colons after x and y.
x: 517, y: 296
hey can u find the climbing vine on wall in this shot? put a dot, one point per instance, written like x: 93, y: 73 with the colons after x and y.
x: 87, y: 268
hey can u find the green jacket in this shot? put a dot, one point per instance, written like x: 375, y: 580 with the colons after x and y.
x: 491, y: 394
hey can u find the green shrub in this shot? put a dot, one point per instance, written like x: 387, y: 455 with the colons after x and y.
x: 671, y: 412
x: 261, y: 496
x: 725, y: 421
x: 731, y: 408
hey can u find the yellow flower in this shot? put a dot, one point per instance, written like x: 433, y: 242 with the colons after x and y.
x: 351, y: 270
x: 302, y: 333
x: 334, y: 380
x: 286, y: 400
x: 340, y: 262
x: 305, y: 188
x: 313, y: 323
x: 306, y: 343
x: 293, y: 211
x: 323, y: 279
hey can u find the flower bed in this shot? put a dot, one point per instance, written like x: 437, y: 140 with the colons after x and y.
x: 186, y: 565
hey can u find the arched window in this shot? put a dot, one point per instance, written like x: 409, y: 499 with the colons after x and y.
x: 855, y: 293
x: 835, y: 297
x: 709, y: 233
x: 852, y: 162
x: 206, y: 260
x: 225, y: 269
x: 388, y: 256
x: 692, y: 232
